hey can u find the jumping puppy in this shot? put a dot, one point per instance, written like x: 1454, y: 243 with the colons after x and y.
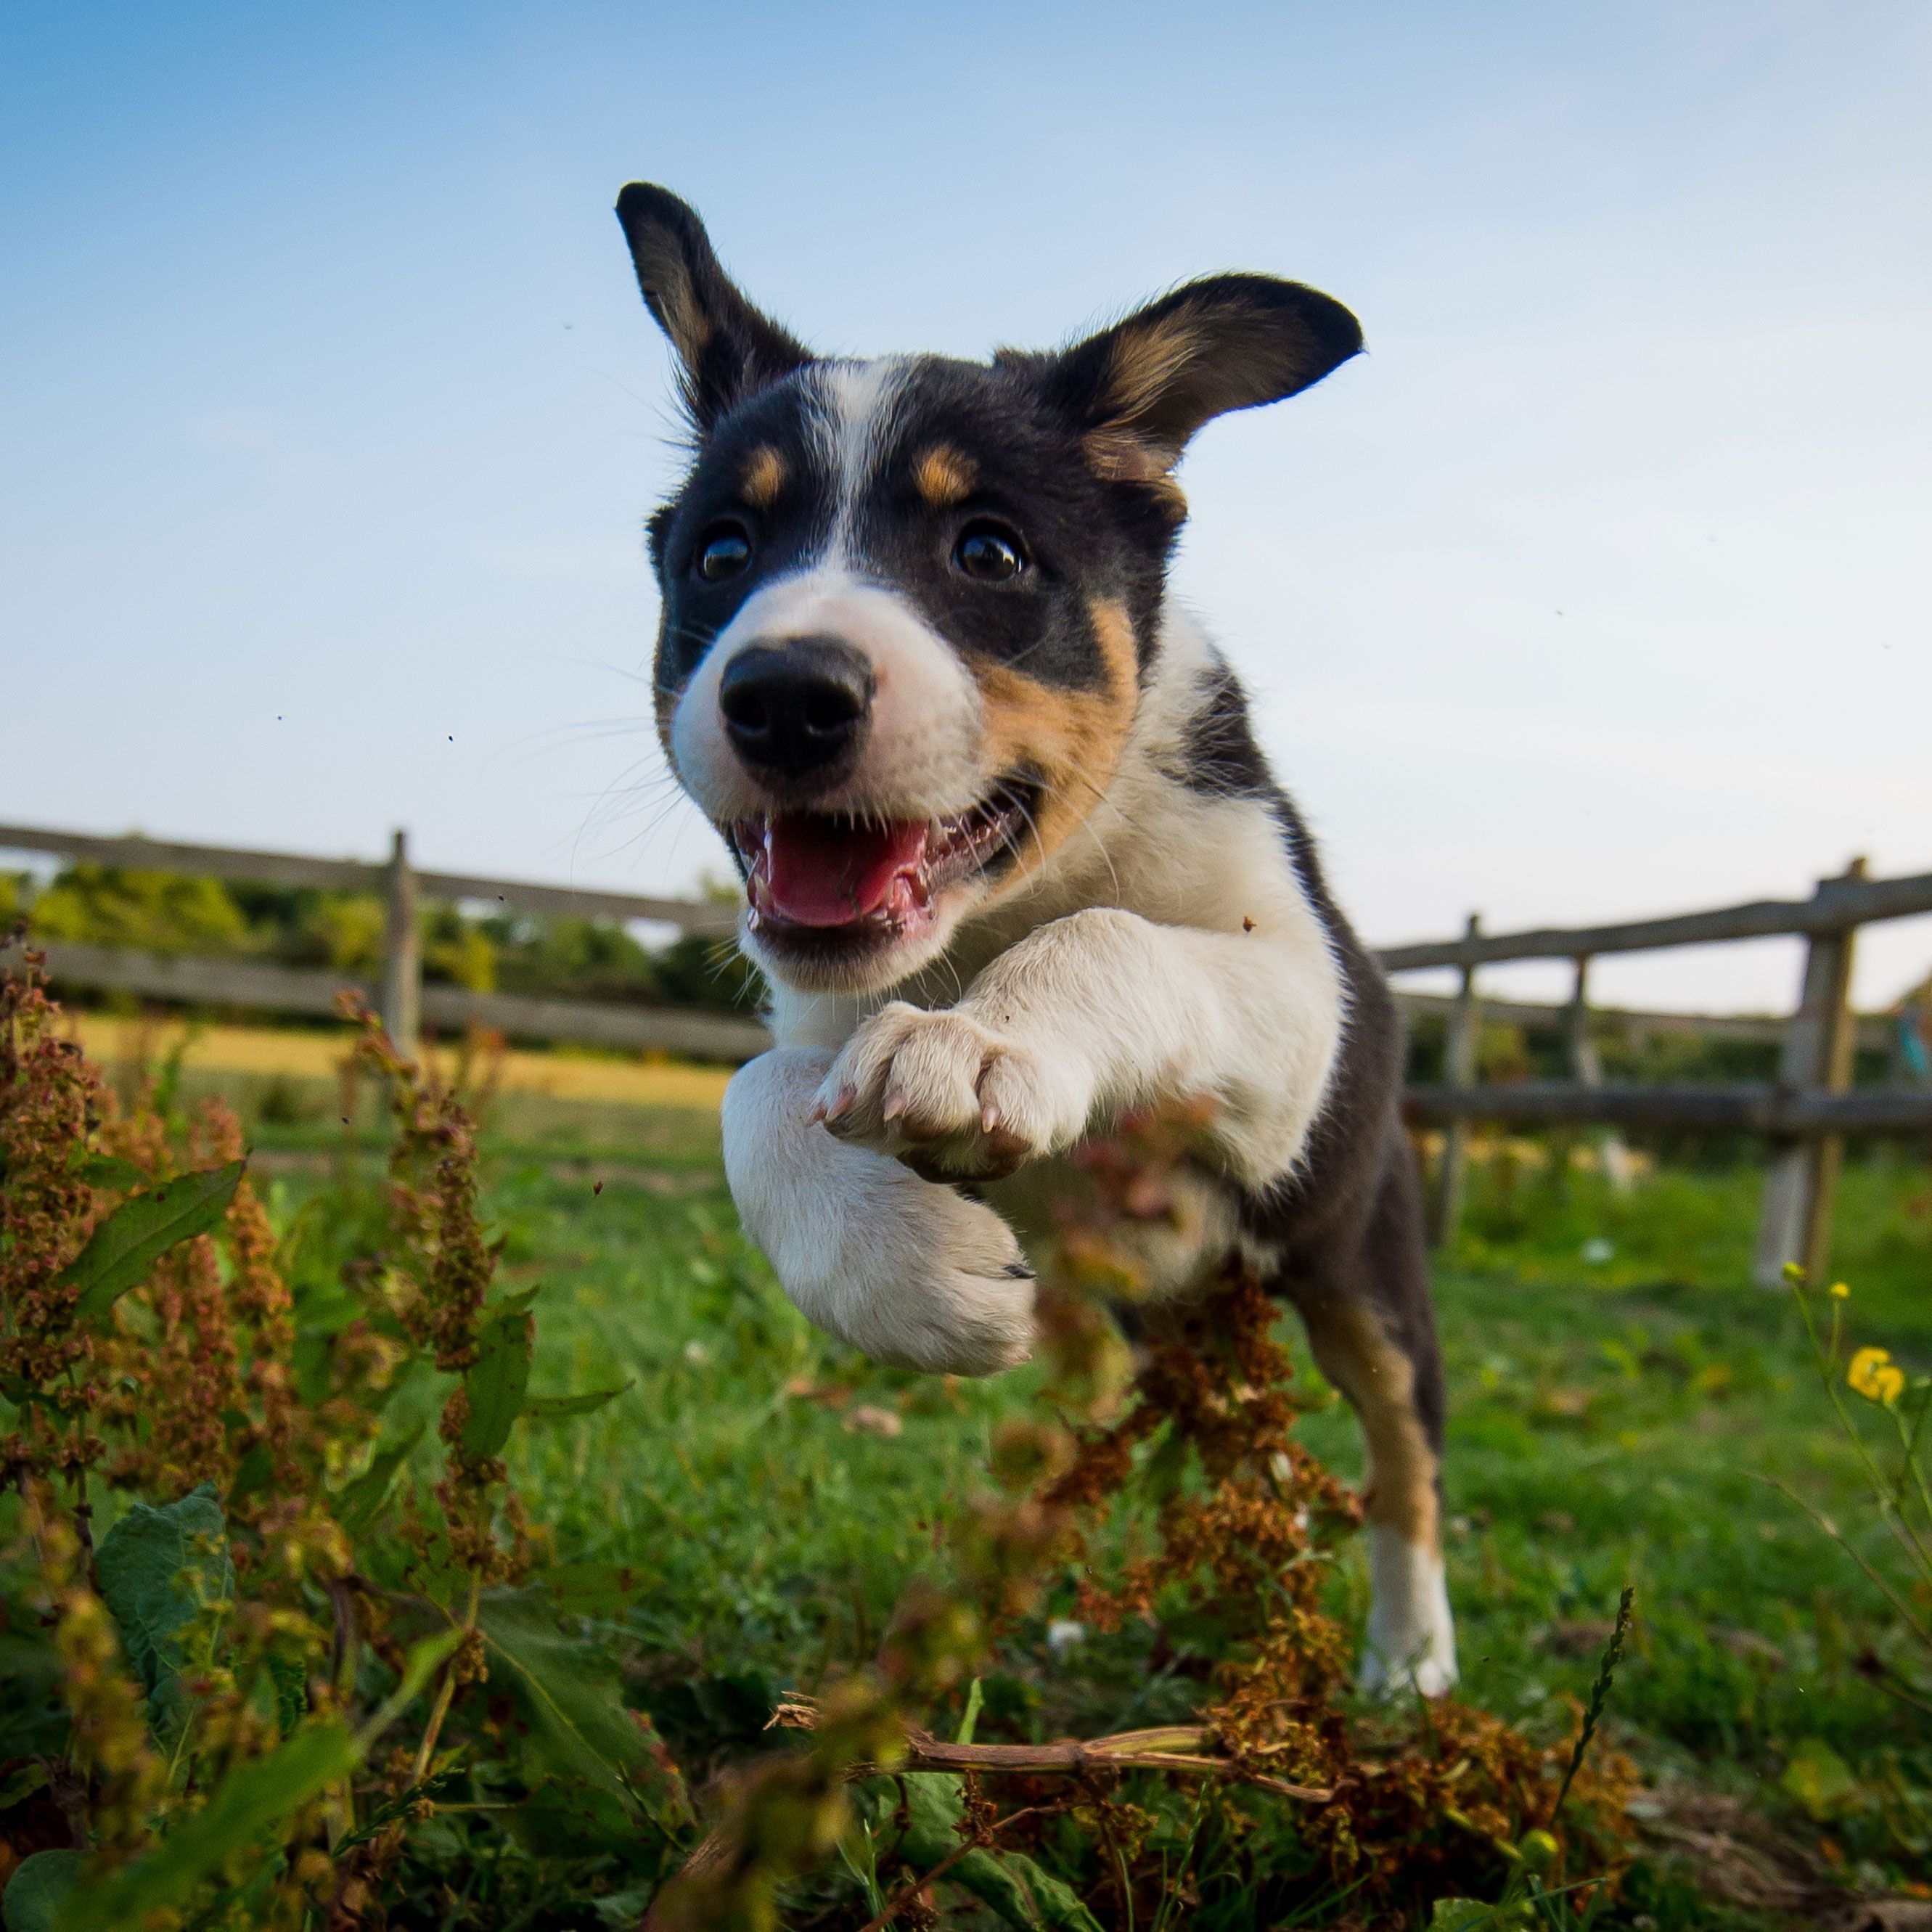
x: 1013, y: 861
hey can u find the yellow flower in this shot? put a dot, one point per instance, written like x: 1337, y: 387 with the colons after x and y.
x: 1873, y: 1374
x: 1839, y: 1290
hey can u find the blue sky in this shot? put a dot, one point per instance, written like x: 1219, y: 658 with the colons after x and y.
x: 328, y: 414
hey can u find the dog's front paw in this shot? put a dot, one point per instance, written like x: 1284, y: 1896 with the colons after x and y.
x: 945, y: 1091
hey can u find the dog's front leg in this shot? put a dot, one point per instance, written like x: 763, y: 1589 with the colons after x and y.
x: 909, y: 1271
x: 1086, y: 1017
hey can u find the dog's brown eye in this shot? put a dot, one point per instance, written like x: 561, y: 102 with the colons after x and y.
x: 989, y: 552
x: 723, y: 553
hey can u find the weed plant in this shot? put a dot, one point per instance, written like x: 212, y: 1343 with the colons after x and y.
x: 288, y: 1648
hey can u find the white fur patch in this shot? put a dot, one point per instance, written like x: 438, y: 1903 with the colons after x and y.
x: 920, y: 756
x: 855, y: 407
x: 911, y: 1272
x: 1411, y: 1637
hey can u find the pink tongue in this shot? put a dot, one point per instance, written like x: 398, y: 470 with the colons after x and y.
x: 818, y: 872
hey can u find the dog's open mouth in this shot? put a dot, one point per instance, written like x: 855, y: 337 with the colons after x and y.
x: 839, y: 877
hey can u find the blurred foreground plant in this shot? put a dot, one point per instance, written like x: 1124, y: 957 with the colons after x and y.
x: 284, y: 1650
x: 1375, y: 1805
x: 229, y: 1708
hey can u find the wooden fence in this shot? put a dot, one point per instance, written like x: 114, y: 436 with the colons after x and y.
x: 404, y: 1002
x: 1806, y: 1113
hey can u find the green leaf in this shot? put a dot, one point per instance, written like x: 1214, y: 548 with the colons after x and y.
x: 498, y: 1379
x: 249, y: 1801
x: 375, y: 1822
x: 290, y: 1679
x: 37, y: 1890
x: 570, y: 1818
x: 359, y: 1502
x: 125, y: 1246
x: 590, y: 1589
x: 1010, y: 1883
x: 252, y: 1472
x: 975, y: 1702
x: 22, y: 1785
x: 424, y: 1657
x: 549, y: 1407
x: 109, y: 1171
x: 579, y: 1723
x: 1819, y: 1779
x: 1166, y: 1469
x: 23, y: 1394
x: 1472, y: 1915
x: 166, y: 1577
x: 624, y: 1908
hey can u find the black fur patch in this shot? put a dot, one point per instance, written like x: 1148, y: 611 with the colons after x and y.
x: 1219, y: 757
x: 784, y: 534
x: 1085, y: 540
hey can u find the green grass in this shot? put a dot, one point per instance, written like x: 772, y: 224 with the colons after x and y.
x: 1613, y: 1420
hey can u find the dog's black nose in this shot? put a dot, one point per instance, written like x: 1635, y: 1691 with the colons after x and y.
x: 797, y: 709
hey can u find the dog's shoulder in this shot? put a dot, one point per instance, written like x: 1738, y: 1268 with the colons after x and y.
x: 1193, y: 829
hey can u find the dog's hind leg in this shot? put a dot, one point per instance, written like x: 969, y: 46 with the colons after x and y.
x: 913, y: 1272
x: 1373, y: 1330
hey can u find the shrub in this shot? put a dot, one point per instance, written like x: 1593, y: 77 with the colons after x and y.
x: 316, y: 1616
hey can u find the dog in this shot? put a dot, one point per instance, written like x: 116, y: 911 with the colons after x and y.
x: 1013, y: 861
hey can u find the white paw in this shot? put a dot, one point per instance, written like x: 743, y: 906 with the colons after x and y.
x: 907, y: 1270
x: 1429, y: 1675
x: 951, y: 1093
x: 958, y: 1297
x: 1410, y: 1642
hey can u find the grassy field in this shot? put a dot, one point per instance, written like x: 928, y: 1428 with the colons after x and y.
x: 1622, y: 1403
x: 1621, y: 1400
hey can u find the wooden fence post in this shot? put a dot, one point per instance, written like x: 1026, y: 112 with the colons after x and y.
x: 1586, y: 1066
x: 1458, y: 1069
x: 402, y: 955
x: 1795, y: 1222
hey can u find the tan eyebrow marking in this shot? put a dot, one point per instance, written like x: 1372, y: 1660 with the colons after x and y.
x: 763, y: 478
x: 945, y: 476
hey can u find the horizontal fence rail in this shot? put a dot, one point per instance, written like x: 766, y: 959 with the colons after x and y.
x: 1837, y: 906
x: 1805, y: 1114
x: 357, y: 875
x: 1875, y: 1031
x: 191, y: 980
x: 1740, y: 1108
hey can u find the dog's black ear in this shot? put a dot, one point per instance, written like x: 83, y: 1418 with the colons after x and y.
x: 726, y: 349
x: 1139, y: 390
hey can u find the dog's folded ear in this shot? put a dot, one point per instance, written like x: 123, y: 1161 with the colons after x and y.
x: 1139, y: 390
x: 726, y: 350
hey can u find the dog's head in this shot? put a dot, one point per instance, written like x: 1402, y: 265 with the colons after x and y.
x: 909, y: 605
